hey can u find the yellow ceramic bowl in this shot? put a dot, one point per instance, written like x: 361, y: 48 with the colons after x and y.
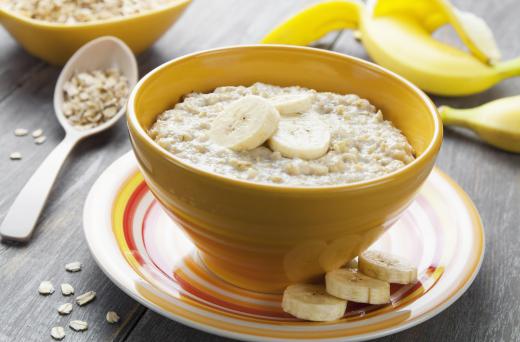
x: 55, y: 43
x: 263, y: 237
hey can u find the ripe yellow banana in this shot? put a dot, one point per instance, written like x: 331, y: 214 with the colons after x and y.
x: 315, y: 21
x: 397, y: 35
x: 496, y: 122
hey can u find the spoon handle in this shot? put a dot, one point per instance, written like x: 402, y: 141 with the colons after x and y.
x: 23, y: 214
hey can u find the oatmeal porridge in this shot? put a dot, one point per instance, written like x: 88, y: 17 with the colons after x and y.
x: 283, y: 135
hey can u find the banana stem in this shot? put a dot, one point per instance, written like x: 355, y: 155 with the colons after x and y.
x: 453, y: 117
x: 510, y: 68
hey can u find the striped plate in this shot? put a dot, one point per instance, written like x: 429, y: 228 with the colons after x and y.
x: 149, y: 257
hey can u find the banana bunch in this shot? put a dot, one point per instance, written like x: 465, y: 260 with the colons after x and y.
x: 397, y: 34
x: 252, y: 120
x: 370, y: 284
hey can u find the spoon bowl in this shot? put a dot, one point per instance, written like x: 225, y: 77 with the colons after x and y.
x: 100, y: 54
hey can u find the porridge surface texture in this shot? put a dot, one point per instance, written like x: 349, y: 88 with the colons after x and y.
x: 363, y: 145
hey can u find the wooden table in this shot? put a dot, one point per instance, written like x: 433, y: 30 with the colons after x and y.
x: 489, y: 311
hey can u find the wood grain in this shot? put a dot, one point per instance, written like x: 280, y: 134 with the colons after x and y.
x: 489, y: 311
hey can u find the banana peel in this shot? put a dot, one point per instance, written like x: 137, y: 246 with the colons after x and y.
x: 397, y: 35
x: 496, y: 122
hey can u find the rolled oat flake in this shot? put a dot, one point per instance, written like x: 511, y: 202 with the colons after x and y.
x: 67, y: 289
x: 20, y: 132
x: 46, y: 288
x: 58, y: 333
x: 65, y: 309
x: 15, y: 156
x: 40, y: 140
x: 37, y: 132
x: 85, y: 298
x: 73, y: 266
x: 112, y: 317
x: 78, y: 325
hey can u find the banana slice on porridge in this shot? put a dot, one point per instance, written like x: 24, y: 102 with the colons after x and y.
x: 351, y: 285
x: 301, y: 137
x: 313, y: 303
x: 291, y: 104
x: 245, y: 124
x: 387, y: 267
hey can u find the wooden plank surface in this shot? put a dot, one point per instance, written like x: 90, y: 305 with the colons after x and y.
x: 489, y: 311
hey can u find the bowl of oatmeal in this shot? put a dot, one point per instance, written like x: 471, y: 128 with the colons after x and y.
x: 54, y: 30
x: 281, y: 162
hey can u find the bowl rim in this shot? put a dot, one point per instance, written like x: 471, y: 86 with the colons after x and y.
x: 429, y: 153
x: 89, y: 24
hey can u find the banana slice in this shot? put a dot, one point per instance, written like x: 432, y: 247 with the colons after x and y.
x: 291, y: 104
x: 387, y: 267
x: 480, y: 34
x: 351, y: 285
x: 301, y: 137
x: 246, y: 124
x: 313, y: 303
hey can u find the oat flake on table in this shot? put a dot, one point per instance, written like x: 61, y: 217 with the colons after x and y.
x: 46, y: 288
x: 112, y: 317
x: 85, y: 298
x: 65, y: 309
x: 73, y: 266
x: 15, y: 156
x: 40, y: 140
x: 67, y: 289
x: 37, y: 133
x: 20, y: 132
x: 78, y: 325
x: 58, y: 333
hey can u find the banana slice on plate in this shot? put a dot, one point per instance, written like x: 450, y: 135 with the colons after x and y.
x: 301, y: 137
x: 291, y: 104
x: 245, y: 124
x: 349, y: 284
x: 387, y: 267
x: 313, y: 303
